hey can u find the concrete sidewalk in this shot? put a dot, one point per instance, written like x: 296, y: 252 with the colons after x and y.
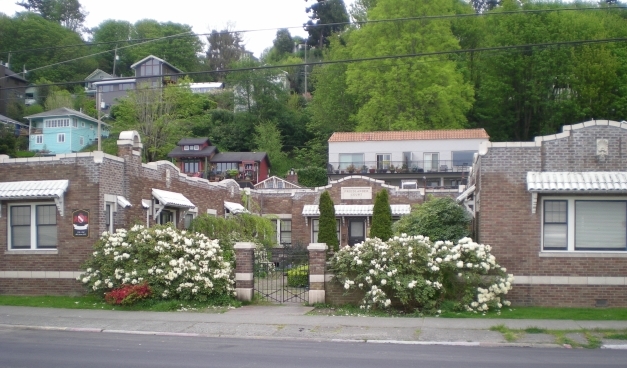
x: 291, y: 322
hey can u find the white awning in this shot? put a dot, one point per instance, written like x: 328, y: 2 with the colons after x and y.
x: 146, y: 203
x: 235, y: 208
x: 312, y: 210
x: 40, y: 189
x: 172, y: 199
x: 462, y: 197
x: 572, y: 182
x: 123, y: 202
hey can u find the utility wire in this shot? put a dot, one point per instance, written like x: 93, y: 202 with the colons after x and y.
x: 430, y: 17
x: 374, y: 58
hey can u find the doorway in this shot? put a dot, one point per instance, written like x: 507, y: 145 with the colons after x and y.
x: 356, y: 230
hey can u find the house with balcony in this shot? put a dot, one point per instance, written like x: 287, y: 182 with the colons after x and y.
x: 63, y: 130
x: 151, y: 71
x: 435, y: 159
x: 199, y: 158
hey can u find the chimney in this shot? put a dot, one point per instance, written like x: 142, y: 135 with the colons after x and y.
x: 292, y: 177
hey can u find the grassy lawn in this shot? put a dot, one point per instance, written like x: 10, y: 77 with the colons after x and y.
x: 580, y: 314
x: 92, y: 302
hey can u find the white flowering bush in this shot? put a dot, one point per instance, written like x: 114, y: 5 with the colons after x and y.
x: 174, y: 263
x: 414, y: 273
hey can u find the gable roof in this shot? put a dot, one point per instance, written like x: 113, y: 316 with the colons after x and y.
x: 411, y: 135
x: 193, y: 141
x: 240, y: 156
x: 154, y: 57
x: 97, y: 72
x: 11, y: 74
x: 7, y: 120
x: 63, y: 111
x: 178, y: 152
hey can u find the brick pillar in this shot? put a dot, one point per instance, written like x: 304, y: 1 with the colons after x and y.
x: 244, y: 259
x: 317, y: 267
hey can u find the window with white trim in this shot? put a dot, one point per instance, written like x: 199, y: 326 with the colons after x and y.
x: 283, y: 230
x: 187, y: 221
x: 61, y: 138
x: 109, y: 216
x: 39, y: 139
x: 315, y: 228
x: 196, y: 147
x: 165, y: 217
x: 81, y: 141
x: 57, y: 123
x: 32, y: 226
x: 185, y: 148
x: 584, y: 224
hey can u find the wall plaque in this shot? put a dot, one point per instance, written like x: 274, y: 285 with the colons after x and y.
x: 356, y: 193
x: 80, y: 223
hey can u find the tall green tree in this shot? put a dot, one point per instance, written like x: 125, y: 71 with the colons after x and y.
x: 23, y: 34
x: 225, y: 48
x: 323, y: 12
x: 268, y: 139
x: 58, y: 99
x: 327, y: 227
x: 407, y: 93
x: 68, y: 13
x: 381, y: 217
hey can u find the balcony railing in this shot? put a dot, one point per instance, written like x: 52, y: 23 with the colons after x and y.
x: 373, y: 167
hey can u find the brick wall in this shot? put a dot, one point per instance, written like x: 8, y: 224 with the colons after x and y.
x: 505, y: 219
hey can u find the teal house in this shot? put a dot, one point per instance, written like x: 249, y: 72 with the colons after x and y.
x: 63, y: 130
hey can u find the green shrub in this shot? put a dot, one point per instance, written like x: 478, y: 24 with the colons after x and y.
x: 381, y: 217
x: 312, y: 177
x: 298, y: 277
x: 327, y: 228
x: 438, y: 219
x: 416, y: 274
x: 175, y: 264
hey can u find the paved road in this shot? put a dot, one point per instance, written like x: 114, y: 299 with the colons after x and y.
x: 50, y: 349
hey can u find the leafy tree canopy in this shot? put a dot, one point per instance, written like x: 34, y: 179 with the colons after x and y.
x: 438, y: 218
x: 68, y: 13
x: 324, y: 12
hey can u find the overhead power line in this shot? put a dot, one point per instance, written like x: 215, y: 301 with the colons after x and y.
x: 374, y: 58
x: 405, y: 19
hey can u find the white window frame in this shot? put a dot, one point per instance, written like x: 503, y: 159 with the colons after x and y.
x: 429, y: 161
x: 314, y: 234
x: 81, y: 141
x: 571, y: 222
x: 109, y: 210
x: 61, y: 138
x: 196, y: 147
x: 33, y: 226
x: 385, y: 161
x: 186, y: 148
x: 39, y: 139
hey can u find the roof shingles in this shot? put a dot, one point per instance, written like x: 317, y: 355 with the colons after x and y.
x: 479, y: 133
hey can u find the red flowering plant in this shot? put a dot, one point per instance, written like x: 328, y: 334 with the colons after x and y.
x: 128, y: 294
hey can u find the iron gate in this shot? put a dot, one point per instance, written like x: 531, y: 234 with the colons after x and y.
x: 281, y: 275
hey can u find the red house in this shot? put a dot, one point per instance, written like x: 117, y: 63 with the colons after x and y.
x: 198, y: 157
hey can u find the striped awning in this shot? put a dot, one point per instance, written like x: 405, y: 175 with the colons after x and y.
x: 172, y: 199
x: 564, y: 182
x: 39, y: 189
x: 312, y: 210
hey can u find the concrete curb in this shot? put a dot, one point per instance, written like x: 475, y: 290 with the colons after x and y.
x: 396, y: 342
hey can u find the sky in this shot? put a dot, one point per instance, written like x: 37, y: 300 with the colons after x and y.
x: 203, y: 16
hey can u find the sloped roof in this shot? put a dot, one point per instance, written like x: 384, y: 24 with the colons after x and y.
x: 63, y: 111
x: 172, y: 199
x: 33, y: 189
x: 161, y: 60
x: 240, y: 156
x: 479, y: 133
x: 273, y: 181
x: 4, y: 119
x: 592, y: 181
x: 96, y: 72
x: 178, y: 152
x: 191, y: 141
x: 356, y: 210
x: 11, y: 74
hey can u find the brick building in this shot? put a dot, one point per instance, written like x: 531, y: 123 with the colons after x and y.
x: 53, y: 209
x: 554, y: 211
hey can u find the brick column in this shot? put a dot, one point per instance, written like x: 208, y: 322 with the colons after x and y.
x: 244, y: 260
x: 317, y: 267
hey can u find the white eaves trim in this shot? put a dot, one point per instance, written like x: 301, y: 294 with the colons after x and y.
x: 587, y: 182
x: 312, y: 210
x: 123, y: 202
x: 235, y: 208
x: 31, y: 190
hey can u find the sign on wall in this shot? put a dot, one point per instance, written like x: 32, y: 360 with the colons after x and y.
x: 356, y: 193
x: 80, y: 223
